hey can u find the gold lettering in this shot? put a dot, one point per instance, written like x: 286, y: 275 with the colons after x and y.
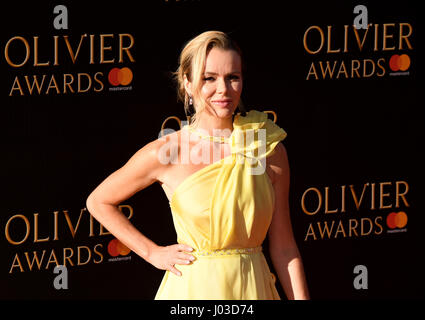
x: 34, y: 259
x: 365, y: 74
x: 327, y: 202
x: 66, y: 257
x: 381, y: 60
x: 312, y: 71
x: 319, y: 196
x: 55, y: 85
x: 377, y: 219
x: 130, y: 210
x: 352, y: 229
x: 69, y: 222
x: 339, y: 229
x: 310, y: 232
x: 27, y: 52
x: 372, y: 196
x: 346, y: 38
x: 126, y: 49
x: 66, y: 83
x: 322, y: 39
x: 91, y: 49
x: 325, y: 229
x: 375, y: 42
x: 402, y: 195
x: 71, y: 52
x: 79, y: 255
x: 18, y: 264
x: 79, y: 82
x: 16, y: 82
x: 36, y: 63
x: 34, y: 82
x: 361, y: 43
x: 98, y: 253
x: 356, y: 200
x: 386, y: 36
x: 355, y: 68
x: 362, y: 226
x: 327, y: 69
x: 36, y: 230
x: 103, y: 48
x: 55, y: 46
x: 382, y: 195
x: 98, y: 81
x: 55, y: 260
x: 27, y: 232
x: 343, y: 70
x: 404, y: 37
x: 102, y: 231
x: 343, y: 199
x: 329, y: 50
x: 55, y: 225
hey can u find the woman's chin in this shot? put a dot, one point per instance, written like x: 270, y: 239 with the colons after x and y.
x: 224, y: 112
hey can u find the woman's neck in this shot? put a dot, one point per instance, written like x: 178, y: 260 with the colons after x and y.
x: 213, y: 125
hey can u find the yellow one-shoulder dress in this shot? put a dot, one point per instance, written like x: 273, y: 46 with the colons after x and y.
x: 224, y: 211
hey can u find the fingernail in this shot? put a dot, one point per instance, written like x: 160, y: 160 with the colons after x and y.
x: 192, y: 258
x: 190, y: 249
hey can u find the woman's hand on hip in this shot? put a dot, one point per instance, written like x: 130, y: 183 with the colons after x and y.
x: 165, y: 258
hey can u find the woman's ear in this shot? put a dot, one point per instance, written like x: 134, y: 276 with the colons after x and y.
x: 187, y: 85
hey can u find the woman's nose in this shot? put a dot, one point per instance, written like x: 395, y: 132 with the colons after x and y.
x: 221, y: 86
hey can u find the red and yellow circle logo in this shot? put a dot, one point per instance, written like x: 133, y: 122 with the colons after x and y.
x: 116, y: 248
x: 122, y: 76
x: 399, y: 62
x: 397, y: 220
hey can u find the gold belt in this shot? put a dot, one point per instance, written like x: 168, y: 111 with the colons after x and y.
x: 223, y: 252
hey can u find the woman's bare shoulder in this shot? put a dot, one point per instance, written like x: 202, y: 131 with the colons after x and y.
x: 160, y: 151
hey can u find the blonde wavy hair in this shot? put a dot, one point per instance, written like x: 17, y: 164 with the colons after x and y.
x: 192, y: 64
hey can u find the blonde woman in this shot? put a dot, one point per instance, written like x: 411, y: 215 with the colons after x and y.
x: 226, y: 176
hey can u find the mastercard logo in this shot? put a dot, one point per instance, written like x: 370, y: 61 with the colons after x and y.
x: 397, y: 220
x: 118, y: 76
x: 399, y: 62
x: 116, y: 248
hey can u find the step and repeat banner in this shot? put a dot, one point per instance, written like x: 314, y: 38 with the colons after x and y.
x: 84, y: 86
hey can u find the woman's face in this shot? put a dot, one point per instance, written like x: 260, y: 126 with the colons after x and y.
x: 222, y: 82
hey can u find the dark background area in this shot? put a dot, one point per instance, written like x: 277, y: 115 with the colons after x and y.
x: 57, y: 148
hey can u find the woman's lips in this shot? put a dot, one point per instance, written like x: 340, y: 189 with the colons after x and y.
x: 222, y: 103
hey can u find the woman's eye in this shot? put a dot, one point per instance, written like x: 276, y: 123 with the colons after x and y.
x: 208, y: 78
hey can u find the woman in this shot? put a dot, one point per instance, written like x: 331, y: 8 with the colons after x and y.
x: 222, y: 206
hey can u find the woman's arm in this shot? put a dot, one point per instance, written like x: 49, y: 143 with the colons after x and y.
x: 139, y: 172
x: 283, y: 249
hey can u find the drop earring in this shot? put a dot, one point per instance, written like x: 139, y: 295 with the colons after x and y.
x: 189, y: 109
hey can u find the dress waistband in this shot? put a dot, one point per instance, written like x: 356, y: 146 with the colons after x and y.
x: 223, y: 252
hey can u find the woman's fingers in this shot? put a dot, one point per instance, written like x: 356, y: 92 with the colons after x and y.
x: 184, y: 247
x: 185, y: 256
x: 181, y: 258
x: 183, y: 261
x: 175, y: 271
